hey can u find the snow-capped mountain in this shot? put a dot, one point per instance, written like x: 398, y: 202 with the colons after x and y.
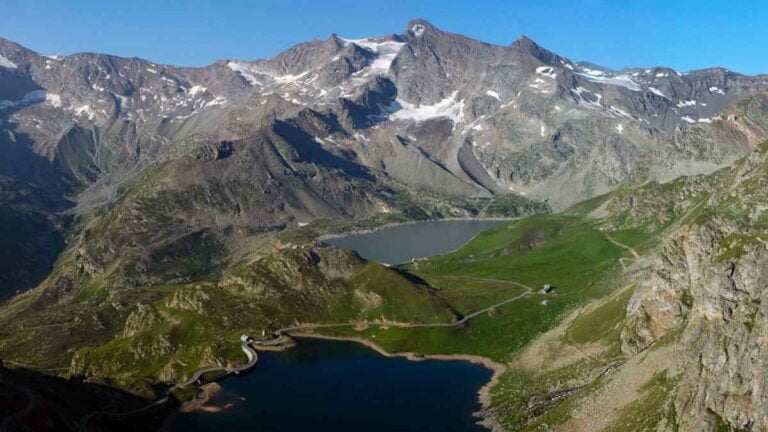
x: 329, y: 127
x: 482, y: 118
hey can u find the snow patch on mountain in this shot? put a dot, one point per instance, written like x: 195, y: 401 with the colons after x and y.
x: 547, y: 71
x: 448, y: 108
x: 619, y: 112
x: 657, y: 92
x: 591, y: 72
x: 625, y: 81
x: 85, y: 110
x: 385, y: 53
x: 216, y: 101
x: 241, y: 70
x: 53, y: 99
x: 30, y: 98
x: 250, y: 73
x: 197, y: 89
x: 587, y: 99
x: 493, y: 94
x: 6, y: 63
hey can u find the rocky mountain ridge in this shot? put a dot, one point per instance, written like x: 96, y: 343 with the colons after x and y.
x: 340, y: 127
x: 467, y: 109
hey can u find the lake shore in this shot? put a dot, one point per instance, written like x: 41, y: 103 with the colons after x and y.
x: 205, y: 393
x: 400, y: 243
x: 483, y: 415
x: 358, y: 231
x: 484, y: 393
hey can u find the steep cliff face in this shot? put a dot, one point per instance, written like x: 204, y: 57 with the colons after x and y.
x: 705, y: 290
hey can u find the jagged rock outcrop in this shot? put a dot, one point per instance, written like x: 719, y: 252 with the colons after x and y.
x: 705, y: 290
x: 718, y: 309
x: 142, y: 318
x: 189, y: 299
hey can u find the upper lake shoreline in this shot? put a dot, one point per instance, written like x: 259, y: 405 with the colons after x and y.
x: 394, y: 244
x: 359, y: 231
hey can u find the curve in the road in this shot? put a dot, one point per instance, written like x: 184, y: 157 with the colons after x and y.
x: 194, y: 380
x: 252, y: 359
x: 252, y: 355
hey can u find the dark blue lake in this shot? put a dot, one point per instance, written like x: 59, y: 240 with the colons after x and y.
x: 334, y: 386
x: 400, y: 243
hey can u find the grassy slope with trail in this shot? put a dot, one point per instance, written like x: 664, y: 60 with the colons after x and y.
x: 583, y: 253
x: 566, y: 251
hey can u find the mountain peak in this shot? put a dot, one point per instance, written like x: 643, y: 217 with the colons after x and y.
x: 524, y: 41
x: 526, y: 44
x: 417, y: 27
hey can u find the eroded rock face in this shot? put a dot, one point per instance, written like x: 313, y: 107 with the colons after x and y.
x: 189, y: 299
x: 718, y: 306
x: 337, y: 263
x: 660, y: 303
x: 141, y: 319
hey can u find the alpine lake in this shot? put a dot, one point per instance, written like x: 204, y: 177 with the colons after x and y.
x: 341, y: 386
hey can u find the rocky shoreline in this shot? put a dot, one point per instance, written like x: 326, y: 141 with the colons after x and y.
x: 205, y: 393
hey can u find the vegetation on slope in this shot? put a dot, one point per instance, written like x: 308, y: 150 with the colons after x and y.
x: 583, y: 252
x: 564, y: 251
x: 168, y: 330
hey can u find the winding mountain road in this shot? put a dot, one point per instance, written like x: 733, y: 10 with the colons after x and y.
x: 463, y: 320
x: 35, y: 368
x: 252, y: 355
x: 252, y: 359
x: 194, y: 380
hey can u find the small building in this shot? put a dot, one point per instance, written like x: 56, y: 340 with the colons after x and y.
x: 246, y: 339
x: 547, y: 288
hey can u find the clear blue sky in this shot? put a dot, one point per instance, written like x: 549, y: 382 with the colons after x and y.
x: 679, y: 33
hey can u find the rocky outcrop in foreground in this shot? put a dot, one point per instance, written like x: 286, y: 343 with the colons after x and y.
x: 706, y: 291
